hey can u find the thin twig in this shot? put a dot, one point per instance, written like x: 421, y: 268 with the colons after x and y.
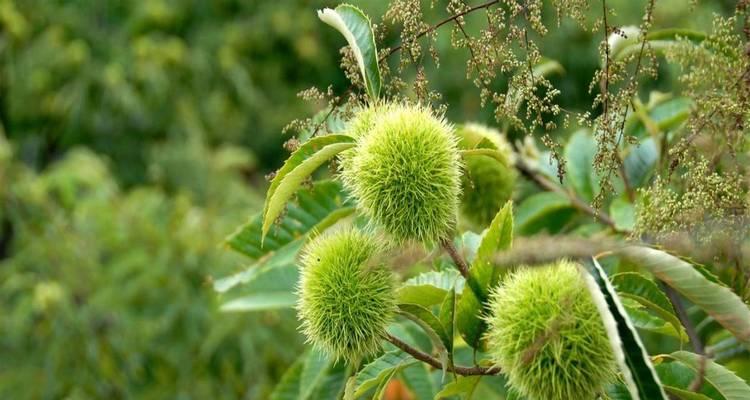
x: 463, y: 268
x: 575, y: 201
x: 435, y: 363
x: 683, y: 317
x: 692, y: 333
x: 544, y: 249
x: 439, y: 24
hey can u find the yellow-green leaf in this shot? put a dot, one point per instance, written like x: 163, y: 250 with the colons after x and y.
x: 303, y: 162
x: 351, y: 22
x: 716, y: 300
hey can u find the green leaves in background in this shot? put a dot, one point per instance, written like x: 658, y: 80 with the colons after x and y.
x: 378, y: 372
x: 306, y: 377
x: 542, y: 211
x: 680, y: 369
x: 469, y: 310
x: 640, y: 377
x: 316, y: 208
x: 634, y: 286
x: 463, y: 385
x: 271, y: 287
x: 579, y: 154
x: 261, y: 301
x: 300, y: 165
x: 659, y: 41
x: 269, y: 282
x: 429, y: 288
x: 447, y: 318
x: 431, y: 325
x: 640, y: 161
x: 717, y: 300
x: 417, y: 378
x: 351, y: 22
x: 661, y: 114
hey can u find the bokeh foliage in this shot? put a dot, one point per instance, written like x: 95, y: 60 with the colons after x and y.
x: 137, y: 136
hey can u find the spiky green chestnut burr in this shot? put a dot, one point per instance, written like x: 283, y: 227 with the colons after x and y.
x: 546, y: 334
x: 360, y: 126
x: 405, y: 174
x: 487, y: 184
x: 366, y: 118
x: 346, y: 296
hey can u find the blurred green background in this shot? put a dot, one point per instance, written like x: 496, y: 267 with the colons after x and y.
x: 134, y: 137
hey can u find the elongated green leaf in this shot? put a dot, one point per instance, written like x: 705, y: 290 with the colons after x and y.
x: 640, y: 161
x: 469, y: 245
x: 417, y: 378
x: 723, y: 380
x: 312, y: 211
x: 661, y: 40
x: 429, y: 288
x: 716, y: 300
x: 373, y: 373
x: 448, y: 320
x: 448, y: 315
x: 444, y: 279
x: 464, y: 385
x: 383, y: 384
x: 314, y: 370
x: 261, y: 302
x: 470, y: 309
x: 303, y: 162
x: 677, y: 378
x: 288, y: 387
x: 498, y: 236
x: 424, y: 295
x: 684, y: 394
x: 332, y: 384
x: 430, y: 323
x: 579, y: 154
x: 638, y: 373
x: 644, y: 320
x: 351, y: 22
x: 664, y: 116
x: 283, y: 257
x: 635, y: 286
x: 272, y: 288
x: 622, y: 212
x: 542, y: 211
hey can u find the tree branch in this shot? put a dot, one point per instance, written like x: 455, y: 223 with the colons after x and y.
x: 695, y: 340
x: 439, y: 24
x: 435, y: 363
x: 575, y: 201
x: 463, y: 268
